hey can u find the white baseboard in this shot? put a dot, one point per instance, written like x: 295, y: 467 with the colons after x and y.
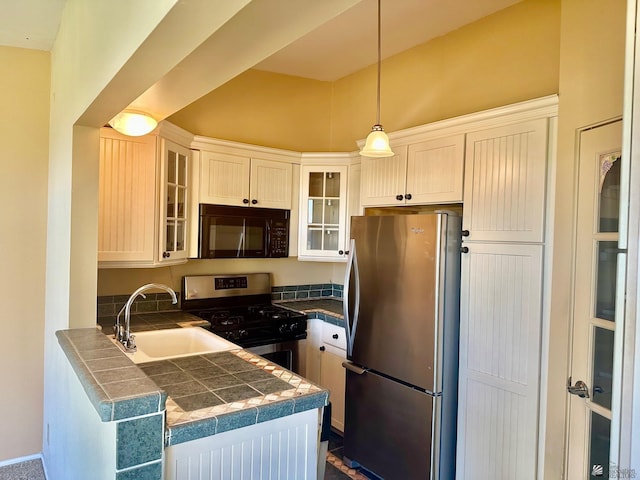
x: 13, y: 461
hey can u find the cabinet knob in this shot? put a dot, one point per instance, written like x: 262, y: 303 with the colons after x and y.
x: 335, y: 335
x: 408, y: 196
x: 340, y: 252
x: 399, y: 197
x: 322, y: 349
x: 464, y: 249
x: 254, y: 201
x: 166, y: 254
x: 245, y: 200
x: 466, y: 233
x: 346, y: 252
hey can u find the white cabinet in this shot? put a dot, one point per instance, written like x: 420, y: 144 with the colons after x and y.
x: 143, y: 198
x: 329, y: 196
x: 229, y: 179
x: 323, y: 212
x: 332, y: 373
x: 429, y: 171
x: 505, y: 177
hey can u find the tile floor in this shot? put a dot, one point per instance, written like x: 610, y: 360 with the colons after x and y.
x: 336, y: 470
x: 29, y: 470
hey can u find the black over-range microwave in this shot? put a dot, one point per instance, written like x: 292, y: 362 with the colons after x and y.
x: 243, y: 232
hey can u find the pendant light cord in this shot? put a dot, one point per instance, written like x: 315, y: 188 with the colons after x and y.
x: 379, y: 65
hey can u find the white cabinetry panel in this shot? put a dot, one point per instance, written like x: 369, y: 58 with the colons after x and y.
x: 127, y: 198
x: 505, y: 175
x: 270, y: 184
x: 434, y: 171
x: 383, y: 179
x: 500, y: 332
x: 281, y: 448
x: 224, y: 178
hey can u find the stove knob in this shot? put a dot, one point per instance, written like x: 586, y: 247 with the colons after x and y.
x: 228, y: 335
x: 284, y: 328
x: 242, y: 333
x: 293, y: 327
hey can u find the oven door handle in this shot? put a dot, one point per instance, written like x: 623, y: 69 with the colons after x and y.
x: 351, y: 325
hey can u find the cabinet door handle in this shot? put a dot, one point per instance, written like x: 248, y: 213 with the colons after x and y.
x: 245, y: 200
x: 464, y: 249
x: 399, y: 197
x: 322, y: 349
x: 466, y: 233
x: 408, y: 196
x: 335, y: 335
x: 254, y: 201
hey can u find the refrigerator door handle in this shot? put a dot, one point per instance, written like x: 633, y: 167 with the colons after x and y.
x: 354, y: 368
x: 352, y: 267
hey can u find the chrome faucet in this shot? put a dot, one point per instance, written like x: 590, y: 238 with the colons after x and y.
x: 123, y: 332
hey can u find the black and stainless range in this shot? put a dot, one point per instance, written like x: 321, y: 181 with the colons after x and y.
x: 239, y: 308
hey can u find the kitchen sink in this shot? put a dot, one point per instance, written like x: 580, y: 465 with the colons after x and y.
x: 154, y: 345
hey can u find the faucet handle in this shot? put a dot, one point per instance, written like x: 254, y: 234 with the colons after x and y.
x: 130, y: 343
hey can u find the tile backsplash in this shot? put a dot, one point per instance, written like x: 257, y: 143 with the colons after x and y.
x: 110, y: 305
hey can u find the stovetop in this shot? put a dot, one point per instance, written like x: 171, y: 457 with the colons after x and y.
x: 239, y: 308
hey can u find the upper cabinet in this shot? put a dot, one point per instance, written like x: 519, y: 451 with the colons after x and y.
x: 326, y: 203
x: 429, y: 171
x: 228, y: 179
x: 143, y: 195
x: 504, y: 194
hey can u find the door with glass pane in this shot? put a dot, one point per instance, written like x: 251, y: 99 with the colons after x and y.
x: 591, y: 384
x: 323, y: 211
x: 173, y: 188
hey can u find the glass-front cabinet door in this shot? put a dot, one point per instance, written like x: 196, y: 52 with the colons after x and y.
x: 323, y: 207
x: 174, y: 191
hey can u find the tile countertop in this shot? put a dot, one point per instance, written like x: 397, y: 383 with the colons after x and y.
x: 326, y: 309
x: 208, y: 394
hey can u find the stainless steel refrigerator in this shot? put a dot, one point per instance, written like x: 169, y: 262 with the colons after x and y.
x: 401, y: 308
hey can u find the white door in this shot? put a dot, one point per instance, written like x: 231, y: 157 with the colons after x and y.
x: 594, y: 312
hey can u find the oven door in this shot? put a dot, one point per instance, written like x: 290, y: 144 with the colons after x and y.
x: 286, y: 354
x: 224, y: 236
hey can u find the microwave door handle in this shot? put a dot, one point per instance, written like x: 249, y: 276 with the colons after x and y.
x: 267, y: 240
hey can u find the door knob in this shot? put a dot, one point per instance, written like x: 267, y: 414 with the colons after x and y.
x: 580, y: 389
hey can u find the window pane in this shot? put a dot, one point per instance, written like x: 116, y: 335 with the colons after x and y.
x: 602, y: 366
x: 171, y: 201
x: 171, y: 167
x: 333, y: 184
x: 171, y: 235
x: 330, y: 239
x: 182, y: 170
x: 316, y: 180
x: 606, y: 280
x: 315, y: 211
x: 314, y: 239
x: 609, y: 192
x: 180, y: 235
x: 599, y: 446
x: 332, y: 212
x: 182, y: 193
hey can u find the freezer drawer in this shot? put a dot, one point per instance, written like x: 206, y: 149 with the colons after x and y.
x: 388, y: 427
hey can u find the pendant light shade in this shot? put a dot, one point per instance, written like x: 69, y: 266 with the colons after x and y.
x: 377, y: 144
x: 133, y: 124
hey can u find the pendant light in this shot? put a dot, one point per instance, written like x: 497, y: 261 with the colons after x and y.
x: 377, y: 144
x: 133, y: 124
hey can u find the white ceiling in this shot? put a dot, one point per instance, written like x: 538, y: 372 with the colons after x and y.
x: 341, y: 46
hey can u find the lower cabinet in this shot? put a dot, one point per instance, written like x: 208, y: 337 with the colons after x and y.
x: 333, y: 351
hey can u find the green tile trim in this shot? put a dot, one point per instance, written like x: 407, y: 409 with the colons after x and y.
x: 139, y: 441
x: 146, y: 472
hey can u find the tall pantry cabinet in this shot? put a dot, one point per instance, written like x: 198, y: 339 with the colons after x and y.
x: 501, y: 311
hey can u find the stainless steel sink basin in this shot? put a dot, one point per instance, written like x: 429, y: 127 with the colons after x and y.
x: 157, y: 345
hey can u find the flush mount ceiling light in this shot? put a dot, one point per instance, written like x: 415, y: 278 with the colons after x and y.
x: 377, y: 144
x: 133, y: 124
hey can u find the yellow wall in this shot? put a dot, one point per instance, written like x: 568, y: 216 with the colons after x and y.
x: 507, y: 57
x: 510, y: 56
x: 24, y: 136
x: 591, y: 91
x: 286, y: 271
x: 264, y: 108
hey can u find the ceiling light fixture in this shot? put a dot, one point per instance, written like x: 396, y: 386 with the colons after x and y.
x: 377, y: 144
x: 133, y: 124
